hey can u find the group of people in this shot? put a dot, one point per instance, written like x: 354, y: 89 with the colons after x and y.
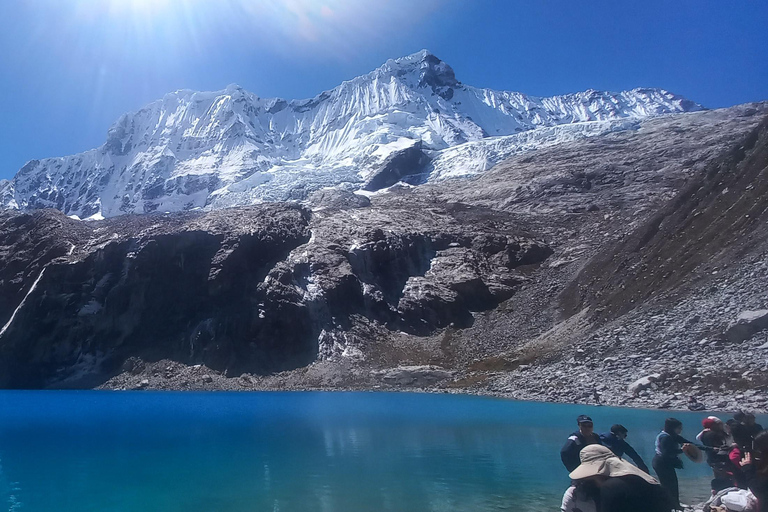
x: 737, y: 451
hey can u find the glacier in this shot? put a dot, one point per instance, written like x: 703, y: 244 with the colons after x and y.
x: 209, y: 150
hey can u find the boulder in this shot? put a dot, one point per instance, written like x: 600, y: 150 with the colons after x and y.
x: 746, y: 325
x: 642, y: 384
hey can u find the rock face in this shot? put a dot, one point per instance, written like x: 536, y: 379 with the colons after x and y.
x: 402, y: 164
x: 190, y: 288
x: 570, y: 273
x: 259, y: 289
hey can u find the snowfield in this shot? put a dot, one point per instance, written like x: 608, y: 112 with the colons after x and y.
x: 208, y: 150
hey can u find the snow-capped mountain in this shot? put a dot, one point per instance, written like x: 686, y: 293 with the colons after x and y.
x: 231, y: 147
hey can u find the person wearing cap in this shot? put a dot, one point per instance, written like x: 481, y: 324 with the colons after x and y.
x: 715, y: 440
x: 667, y: 460
x: 576, y: 442
x: 717, y: 445
x: 622, y: 487
x: 616, y: 441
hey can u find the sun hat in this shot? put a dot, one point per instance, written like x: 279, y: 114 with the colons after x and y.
x: 597, y: 460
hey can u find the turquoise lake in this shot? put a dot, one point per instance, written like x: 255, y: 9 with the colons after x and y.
x: 332, y: 452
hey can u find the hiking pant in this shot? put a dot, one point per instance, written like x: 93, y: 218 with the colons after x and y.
x: 665, y: 470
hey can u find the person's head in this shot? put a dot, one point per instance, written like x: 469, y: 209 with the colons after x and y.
x: 619, y: 431
x: 712, y: 423
x: 739, y: 416
x: 587, y: 488
x: 741, y: 436
x: 749, y: 419
x: 598, y: 463
x: 673, y: 426
x: 586, y: 426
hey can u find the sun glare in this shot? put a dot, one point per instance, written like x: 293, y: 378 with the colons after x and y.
x: 166, y: 30
x: 140, y: 7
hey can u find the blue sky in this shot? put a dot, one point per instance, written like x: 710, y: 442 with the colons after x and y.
x: 69, y: 68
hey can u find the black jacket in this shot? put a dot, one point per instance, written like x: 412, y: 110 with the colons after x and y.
x: 620, y: 447
x: 631, y: 494
x: 758, y: 484
x: 715, y: 446
x: 569, y: 454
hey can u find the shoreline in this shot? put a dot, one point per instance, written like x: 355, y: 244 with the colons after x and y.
x: 174, y: 377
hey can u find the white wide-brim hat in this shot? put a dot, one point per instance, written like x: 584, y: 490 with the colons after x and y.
x: 599, y: 460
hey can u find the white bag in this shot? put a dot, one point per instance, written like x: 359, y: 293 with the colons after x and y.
x: 739, y: 501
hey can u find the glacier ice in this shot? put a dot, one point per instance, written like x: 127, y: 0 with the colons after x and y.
x: 193, y: 150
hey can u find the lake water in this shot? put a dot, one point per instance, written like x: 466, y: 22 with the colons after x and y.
x: 341, y: 452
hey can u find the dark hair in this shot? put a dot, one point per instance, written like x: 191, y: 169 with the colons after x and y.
x: 741, y: 436
x: 670, y: 424
x: 619, y: 429
x: 731, y: 422
x: 760, y: 450
x: 739, y: 416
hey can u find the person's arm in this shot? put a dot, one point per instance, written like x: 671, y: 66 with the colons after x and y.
x: 569, y: 454
x: 635, y: 457
x: 670, y: 446
x: 569, y: 502
x: 735, y: 456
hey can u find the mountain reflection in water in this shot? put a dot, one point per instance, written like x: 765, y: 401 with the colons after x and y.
x: 144, y: 451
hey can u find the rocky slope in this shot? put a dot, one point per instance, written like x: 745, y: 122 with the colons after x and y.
x: 208, y: 150
x: 613, y: 268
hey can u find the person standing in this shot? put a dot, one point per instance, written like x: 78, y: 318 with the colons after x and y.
x: 753, y: 428
x: 616, y: 440
x: 669, y: 445
x: 755, y: 466
x: 576, y: 442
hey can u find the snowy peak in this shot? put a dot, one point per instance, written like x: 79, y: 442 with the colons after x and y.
x: 424, y: 70
x: 210, y: 150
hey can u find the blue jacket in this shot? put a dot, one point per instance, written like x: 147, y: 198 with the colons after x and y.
x: 620, y: 447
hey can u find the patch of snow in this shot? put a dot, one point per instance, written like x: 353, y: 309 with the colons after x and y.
x: 21, y: 304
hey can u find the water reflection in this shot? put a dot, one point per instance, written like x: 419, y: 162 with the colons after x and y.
x: 293, y: 452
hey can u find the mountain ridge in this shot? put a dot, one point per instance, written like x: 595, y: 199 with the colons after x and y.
x: 209, y: 150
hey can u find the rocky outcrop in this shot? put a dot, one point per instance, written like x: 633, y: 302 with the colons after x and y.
x: 408, y: 162
x: 746, y: 325
x: 259, y: 289
x: 188, y: 287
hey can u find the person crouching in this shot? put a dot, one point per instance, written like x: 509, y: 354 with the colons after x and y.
x: 621, y: 487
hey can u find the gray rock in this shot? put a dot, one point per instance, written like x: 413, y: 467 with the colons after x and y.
x: 746, y: 325
x: 414, y: 376
x: 642, y: 384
